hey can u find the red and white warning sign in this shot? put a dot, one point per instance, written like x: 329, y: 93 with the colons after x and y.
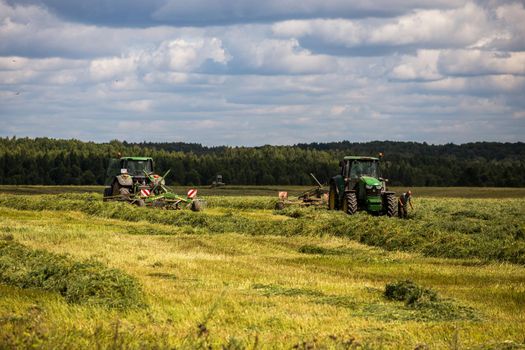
x: 145, y: 193
x: 192, y: 193
x: 283, y: 196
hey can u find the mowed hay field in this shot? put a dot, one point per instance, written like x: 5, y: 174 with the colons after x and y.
x: 79, y: 273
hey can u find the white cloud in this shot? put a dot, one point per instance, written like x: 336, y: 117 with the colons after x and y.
x: 135, y: 106
x: 477, y: 62
x: 439, y: 64
x: 168, y: 63
x: 187, y: 55
x: 470, y: 25
x: 423, y: 66
x: 337, y: 110
x: 436, y: 28
x: 273, y: 56
x: 109, y: 68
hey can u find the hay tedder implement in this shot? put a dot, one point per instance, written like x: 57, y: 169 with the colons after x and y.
x: 315, y: 196
x: 132, y: 180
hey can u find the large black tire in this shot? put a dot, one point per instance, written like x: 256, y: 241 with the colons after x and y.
x: 350, y: 203
x: 124, y: 192
x: 391, y: 205
x: 332, y: 198
x: 118, y: 190
x: 108, y: 192
x: 196, y: 205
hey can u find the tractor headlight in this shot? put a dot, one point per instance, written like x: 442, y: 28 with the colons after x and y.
x: 378, y: 187
x: 369, y: 187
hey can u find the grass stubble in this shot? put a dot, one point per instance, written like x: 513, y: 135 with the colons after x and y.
x: 241, y: 275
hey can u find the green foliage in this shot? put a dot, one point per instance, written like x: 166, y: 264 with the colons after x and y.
x: 293, y: 212
x: 427, y: 302
x: 312, y: 249
x: 86, y: 282
x: 409, y: 292
x: 73, y: 162
x: 270, y: 290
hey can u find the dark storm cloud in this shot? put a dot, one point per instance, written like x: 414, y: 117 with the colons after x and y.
x: 143, y: 13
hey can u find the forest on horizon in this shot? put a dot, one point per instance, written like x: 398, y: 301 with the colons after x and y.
x: 46, y: 161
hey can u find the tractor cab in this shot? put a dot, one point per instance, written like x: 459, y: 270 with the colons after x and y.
x: 362, y: 174
x: 128, y: 175
x: 132, y: 166
x: 355, y: 167
x: 136, y: 166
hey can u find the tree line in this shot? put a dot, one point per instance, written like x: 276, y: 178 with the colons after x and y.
x: 45, y: 161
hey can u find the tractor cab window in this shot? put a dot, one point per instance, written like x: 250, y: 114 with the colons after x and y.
x: 345, y: 167
x: 363, y: 168
x: 112, y: 171
x: 137, y: 167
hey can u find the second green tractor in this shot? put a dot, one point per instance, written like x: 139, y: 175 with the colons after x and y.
x: 358, y: 186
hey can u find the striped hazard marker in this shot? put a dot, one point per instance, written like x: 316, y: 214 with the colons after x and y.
x: 145, y: 193
x: 192, y: 193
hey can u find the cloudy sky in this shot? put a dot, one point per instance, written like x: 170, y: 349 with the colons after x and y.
x: 251, y: 72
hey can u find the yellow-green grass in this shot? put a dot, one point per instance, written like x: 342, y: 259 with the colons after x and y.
x: 233, y: 190
x: 486, y: 229
x: 264, y: 290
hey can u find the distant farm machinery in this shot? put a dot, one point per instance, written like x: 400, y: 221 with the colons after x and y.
x: 132, y: 180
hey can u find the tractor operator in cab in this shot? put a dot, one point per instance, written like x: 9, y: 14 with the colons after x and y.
x: 402, y: 204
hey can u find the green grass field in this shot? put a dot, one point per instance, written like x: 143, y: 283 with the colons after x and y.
x: 242, y: 275
x: 441, y: 192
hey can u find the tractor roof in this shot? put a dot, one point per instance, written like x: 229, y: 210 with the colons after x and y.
x: 137, y: 158
x: 360, y: 158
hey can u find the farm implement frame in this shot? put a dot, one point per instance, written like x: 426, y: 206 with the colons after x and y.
x: 317, y: 196
x: 136, y: 183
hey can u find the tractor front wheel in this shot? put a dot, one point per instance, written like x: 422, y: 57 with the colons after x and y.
x: 332, y: 198
x: 391, y: 205
x: 350, y: 203
x: 122, y: 191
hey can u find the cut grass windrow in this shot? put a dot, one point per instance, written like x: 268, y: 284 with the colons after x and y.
x: 88, y: 282
x: 486, y: 229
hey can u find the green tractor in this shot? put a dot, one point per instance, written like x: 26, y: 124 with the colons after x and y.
x: 359, y: 187
x: 132, y: 179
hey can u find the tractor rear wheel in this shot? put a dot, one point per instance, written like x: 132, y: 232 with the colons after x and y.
x: 332, y: 198
x: 391, y: 205
x: 350, y: 203
x: 196, y: 205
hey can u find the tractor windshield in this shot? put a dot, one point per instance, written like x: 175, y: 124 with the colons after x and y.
x: 363, y: 168
x: 137, y: 167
